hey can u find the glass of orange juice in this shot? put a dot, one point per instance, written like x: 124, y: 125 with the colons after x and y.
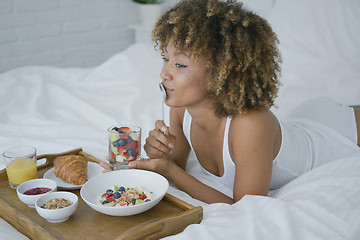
x: 20, y: 164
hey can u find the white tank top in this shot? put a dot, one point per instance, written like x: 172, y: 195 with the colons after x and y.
x: 306, y: 144
x: 229, y: 167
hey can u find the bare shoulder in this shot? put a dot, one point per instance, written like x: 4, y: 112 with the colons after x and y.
x: 254, y: 130
x: 255, y: 120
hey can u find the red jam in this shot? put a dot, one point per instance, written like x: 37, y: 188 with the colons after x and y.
x: 37, y: 191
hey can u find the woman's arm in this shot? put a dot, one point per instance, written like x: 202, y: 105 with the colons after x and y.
x: 174, y: 170
x: 252, y: 140
x: 251, y: 143
x: 183, y: 180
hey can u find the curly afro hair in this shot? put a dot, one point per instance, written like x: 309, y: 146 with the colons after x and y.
x: 239, y: 47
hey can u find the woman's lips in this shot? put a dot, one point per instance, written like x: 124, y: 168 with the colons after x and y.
x: 168, y: 90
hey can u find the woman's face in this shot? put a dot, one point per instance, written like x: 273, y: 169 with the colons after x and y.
x: 183, y: 78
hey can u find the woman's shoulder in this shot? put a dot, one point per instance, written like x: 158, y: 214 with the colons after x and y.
x: 255, y: 131
x: 254, y: 121
x: 255, y: 115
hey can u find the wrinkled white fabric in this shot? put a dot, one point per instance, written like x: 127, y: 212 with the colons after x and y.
x: 321, y: 204
x: 59, y: 109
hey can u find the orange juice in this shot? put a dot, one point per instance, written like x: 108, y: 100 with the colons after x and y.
x: 21, y: 170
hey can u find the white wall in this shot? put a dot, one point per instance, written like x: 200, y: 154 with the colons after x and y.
x: 64, y: 33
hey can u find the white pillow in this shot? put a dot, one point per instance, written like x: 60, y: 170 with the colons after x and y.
x: 320, y: 46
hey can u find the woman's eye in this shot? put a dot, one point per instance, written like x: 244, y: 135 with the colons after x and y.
x: 178, y: 65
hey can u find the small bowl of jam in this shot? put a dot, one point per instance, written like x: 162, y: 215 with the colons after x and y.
x: 29, y: 191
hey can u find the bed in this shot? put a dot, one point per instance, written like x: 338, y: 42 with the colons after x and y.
x: 58, y: 109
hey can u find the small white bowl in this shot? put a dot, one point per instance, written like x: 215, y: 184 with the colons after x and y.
x: 95, y: 187
x: 31, y: 199
x: 56, y: 215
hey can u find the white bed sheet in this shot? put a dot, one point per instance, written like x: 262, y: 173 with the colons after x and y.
x: 322, y: 204
x: 60, y: 109
x: 57, y: 109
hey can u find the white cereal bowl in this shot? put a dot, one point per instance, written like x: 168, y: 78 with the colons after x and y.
x: 93, y: 189
x: 34, y: 183
x: 57, y: 215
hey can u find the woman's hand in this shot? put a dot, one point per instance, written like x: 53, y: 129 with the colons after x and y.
x: 160, y: 143
x: 183, y: 180
x: 106, y: 165
x: 159, y: 165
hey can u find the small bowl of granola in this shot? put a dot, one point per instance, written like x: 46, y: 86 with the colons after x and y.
x: 57, y: 207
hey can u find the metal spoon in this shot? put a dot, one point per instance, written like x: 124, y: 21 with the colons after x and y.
x: 162, y: 89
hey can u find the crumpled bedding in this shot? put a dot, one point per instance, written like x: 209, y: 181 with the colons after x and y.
x: 57, y: 110
x: 321, y: 204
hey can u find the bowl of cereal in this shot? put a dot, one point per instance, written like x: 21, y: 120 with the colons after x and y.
x: 57, y: 207
x: 124, y: 192
x: 29, y: 191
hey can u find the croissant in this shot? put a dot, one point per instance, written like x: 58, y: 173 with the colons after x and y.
x: 71, y: 168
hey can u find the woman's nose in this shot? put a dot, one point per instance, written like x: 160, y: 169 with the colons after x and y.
x: 165, y: 74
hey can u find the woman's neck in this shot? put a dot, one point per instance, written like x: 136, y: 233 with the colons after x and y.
x: 205, y: 118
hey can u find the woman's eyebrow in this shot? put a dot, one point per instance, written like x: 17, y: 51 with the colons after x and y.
x: 181, y: 53
x: 178, y: 53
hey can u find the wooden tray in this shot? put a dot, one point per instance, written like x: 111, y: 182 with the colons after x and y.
x: 168, y: 217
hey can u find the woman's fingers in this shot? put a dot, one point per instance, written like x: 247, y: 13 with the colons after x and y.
x: 106, y: 167
x: 161, y: 126
x: 159, y: 165
x: 166, y: 137
x: 160, y: 143
x: 139, y: 164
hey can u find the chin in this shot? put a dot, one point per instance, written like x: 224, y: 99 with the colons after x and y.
x: 173, y: 105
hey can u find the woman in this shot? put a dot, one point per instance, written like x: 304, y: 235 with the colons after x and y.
x: 221, y: 69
